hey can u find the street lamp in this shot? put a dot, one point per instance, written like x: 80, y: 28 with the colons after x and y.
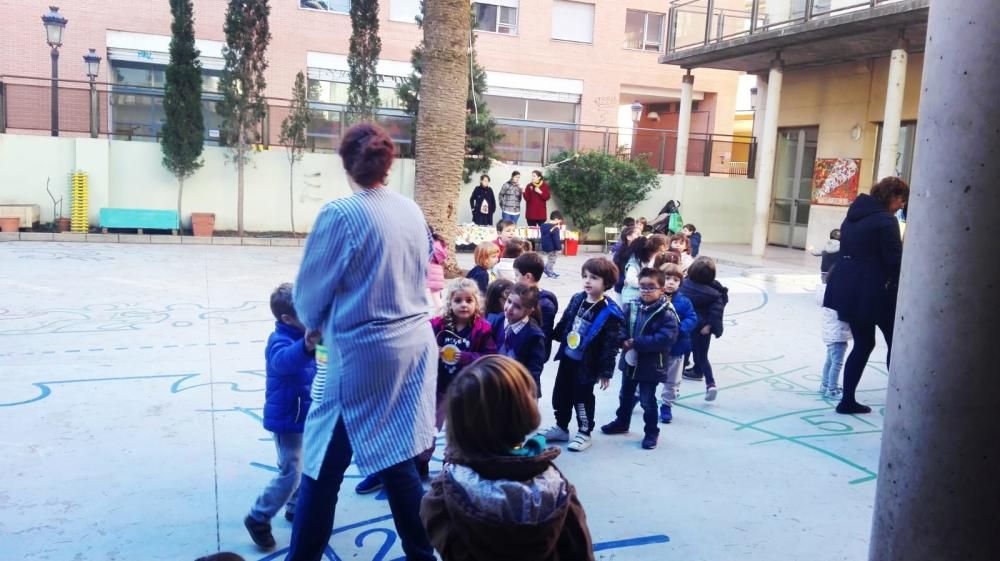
x: 93, y: 65
x: 636, y: 112
x: 54, y: 26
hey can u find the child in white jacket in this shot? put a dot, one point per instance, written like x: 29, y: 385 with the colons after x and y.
x: 836, y: 334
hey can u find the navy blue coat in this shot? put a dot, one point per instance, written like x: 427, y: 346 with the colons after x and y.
x: 599, y: 345
x: 709, y: 303
x: 527, y: 346
x: 695, y: 242
x: 863, y: 284
x: 549, y: 305
x: 653, y: 332
x: 688, y: 319
x: 290, y: 371
x: 551, y: 239
x: 481, y: 276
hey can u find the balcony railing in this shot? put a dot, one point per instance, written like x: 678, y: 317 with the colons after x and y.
x: 699, y: 23
x: 128, y: 112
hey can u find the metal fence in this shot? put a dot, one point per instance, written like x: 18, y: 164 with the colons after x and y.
x: 697, y: 23
x: 136, y: 113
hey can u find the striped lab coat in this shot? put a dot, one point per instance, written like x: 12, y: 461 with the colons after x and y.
x: 362, y: 282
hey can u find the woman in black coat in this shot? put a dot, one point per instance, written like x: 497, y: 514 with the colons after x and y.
x: 483, y: 202
x: 862, y: 286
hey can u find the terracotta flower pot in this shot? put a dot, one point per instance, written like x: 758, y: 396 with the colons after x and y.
x: 10, y: 223
x: 203, y: 223
x: 63, y: 224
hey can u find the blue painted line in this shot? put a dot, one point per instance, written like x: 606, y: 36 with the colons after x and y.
x: 631, y: 542
x: 170, y: 346
x: 144, y: 347
x: 121, y: 348
x: 46, y: 390
x: 232, y: 342
x: 95, y: 350
x: 72, y: 351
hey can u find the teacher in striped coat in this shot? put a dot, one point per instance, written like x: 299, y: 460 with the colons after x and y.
x: 361, y: 283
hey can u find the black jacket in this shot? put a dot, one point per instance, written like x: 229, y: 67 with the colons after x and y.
x: 709, y: 303
x: 480, y: 194
x: 653, y: 330
x: 599, y: 347
x: 527, y: 346
x: 862, y: 285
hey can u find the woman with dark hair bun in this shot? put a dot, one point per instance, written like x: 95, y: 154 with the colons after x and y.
x: 862, y: 285
x: 361, y: 283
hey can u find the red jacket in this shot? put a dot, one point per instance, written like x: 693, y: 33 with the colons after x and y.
x: 534, y: 203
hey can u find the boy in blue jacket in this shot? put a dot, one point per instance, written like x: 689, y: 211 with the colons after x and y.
x: 290, y: 358
x: 687, y: 322
x: 552, y: 242
x: 647, y: 334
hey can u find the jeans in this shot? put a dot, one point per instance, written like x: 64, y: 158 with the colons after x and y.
x: 284, y: 487
x: 672, y: 387
x: 318, y: 502
x: 835, y: 353
x: 699, y: 348
x: 550, y: 260
x: 864, y: 344
x: 647, y: 398
x: 512, y: 217
x: 569, y: 394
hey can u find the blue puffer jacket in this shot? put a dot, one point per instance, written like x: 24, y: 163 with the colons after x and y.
x: 653, y: 330
x: 709, y: 303
x: 551, y: 240
x: 688, y: 319
x: 290, y: 372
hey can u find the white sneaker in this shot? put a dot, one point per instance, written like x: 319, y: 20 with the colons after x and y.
x: 555, y: 433
x: 834, y: 393
x: 711, y: 393
x: 580, y: 443
x: 823, y: 389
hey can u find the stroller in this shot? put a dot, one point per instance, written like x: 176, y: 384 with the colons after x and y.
x: 670, y: 215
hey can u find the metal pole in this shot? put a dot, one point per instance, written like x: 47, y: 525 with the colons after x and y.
x: 671, y: 32
x: 95, y: 117
x: 55, y: 91
x: 706, y: 156
x: 708, y: 21
x: 3, y: 107
x: 809, y: 9
x: 663, y: 152
x: 752, y: 160
x: 545, y: 146
x: 754, y: 14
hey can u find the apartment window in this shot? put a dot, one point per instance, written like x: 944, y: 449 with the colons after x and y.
x: 496, y: 16
x: 904, y: 158
x: 404, y: 10
x: 338, y: 6
x: 137, y: 100
x: 643, y: 30
x: 572, y: 21
x: 503, y: 107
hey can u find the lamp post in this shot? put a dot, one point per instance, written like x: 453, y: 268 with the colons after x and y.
x: 636, y: 112
x: 93, y: 65
x: 636, y: 115
x: 54, y: 26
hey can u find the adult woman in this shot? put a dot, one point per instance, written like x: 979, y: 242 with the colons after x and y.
x: 483, y: 202
x: 510, y: 198
x: 362, y: 283
x: 535, y: 195
x: 863, y: 283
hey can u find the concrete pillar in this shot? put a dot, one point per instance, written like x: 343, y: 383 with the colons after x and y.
x: 768, y: 143
x: 683, y: 134
x: 938, y: 485
x: 893, y: 111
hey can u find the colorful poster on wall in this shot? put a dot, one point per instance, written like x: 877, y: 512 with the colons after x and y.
x: 835, y: 181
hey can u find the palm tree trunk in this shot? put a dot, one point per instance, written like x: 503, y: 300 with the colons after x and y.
x: 291, y: 195
x: 440, y: 135
x: 240, y: 150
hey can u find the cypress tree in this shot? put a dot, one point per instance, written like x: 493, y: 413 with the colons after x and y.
x: 362, y: 60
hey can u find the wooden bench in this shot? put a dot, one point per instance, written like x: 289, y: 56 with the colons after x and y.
x: 138, y: 219
x: 29, y: 214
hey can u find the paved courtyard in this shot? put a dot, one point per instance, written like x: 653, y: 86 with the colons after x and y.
x: 131, y: 386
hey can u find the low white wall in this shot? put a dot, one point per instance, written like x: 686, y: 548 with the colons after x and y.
x: 130, y: 175
x: 822, y: 219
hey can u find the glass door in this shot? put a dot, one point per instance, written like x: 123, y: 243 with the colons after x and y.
x: 795, y: 160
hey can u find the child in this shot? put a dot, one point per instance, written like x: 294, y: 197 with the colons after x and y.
x: 518, y: 334
x: 680, y: 244
x: 496, y: 298
x: 463, y: 335
x: 709, y: 298
x: 552, y: 242
x: 694, y: 238
x: 687, y: 322
x: 643, y: 251
x: 486, y: 256
x: 836, y: 334
x: 499, y: 496
x: 648, y: 333
x: 628, y: 235
x: 505, y: 233
x: 511, y: 251
x: 588, y: 331
x: 670, y: 257
x: 290, y: 363
x: 435, y: 270
x: 528, y: 269
x: 829, y: 254
x: 642, y: 225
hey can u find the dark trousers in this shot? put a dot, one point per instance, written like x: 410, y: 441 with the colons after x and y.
x: 647, y: 398
x: 699, y: 348
x: 864, y: 344
x: 535, y: 222
x: 569, y: 394
x: 318, y: 503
